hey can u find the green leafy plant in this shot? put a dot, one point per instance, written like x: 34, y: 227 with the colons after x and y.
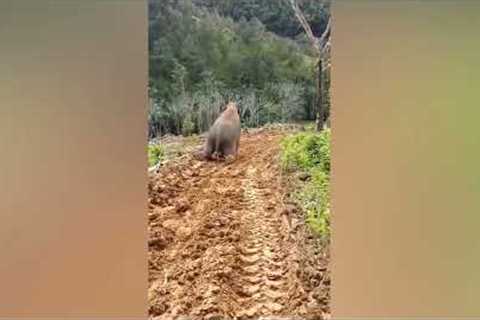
x: 306, y: 150
x: 309, y: 153
x: 155, y: 154
x: 315, y: 199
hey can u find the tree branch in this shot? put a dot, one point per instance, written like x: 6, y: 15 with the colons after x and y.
x: 306, y: 27
x: 325, y: 38
x: 321, y: 45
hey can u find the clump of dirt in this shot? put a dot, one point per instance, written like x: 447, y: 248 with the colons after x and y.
x: 223, y: 243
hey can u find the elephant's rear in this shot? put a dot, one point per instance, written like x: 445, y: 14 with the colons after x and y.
x: 224, y: 135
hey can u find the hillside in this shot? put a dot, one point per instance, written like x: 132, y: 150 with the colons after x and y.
x: 203, y: 53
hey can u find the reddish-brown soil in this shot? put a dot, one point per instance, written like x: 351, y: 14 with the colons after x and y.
x: 224, y: 243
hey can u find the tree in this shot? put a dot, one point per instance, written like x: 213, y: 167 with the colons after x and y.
x: 321, y: 47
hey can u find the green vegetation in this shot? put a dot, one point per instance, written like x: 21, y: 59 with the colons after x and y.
x: 275, y: 15
x: 307, y: 150
x: 309, y: 153
x: 156, y: 153
x: 204, y: 52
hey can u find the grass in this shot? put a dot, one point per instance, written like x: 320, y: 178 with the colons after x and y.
x: 309, y: 153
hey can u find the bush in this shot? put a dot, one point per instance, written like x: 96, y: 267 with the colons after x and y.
x: 309, y: 152
x: 315, y: 200
x: 155, y: 154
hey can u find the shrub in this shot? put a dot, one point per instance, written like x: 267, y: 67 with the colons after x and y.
x: 309, y: 152
x: 315, y: 200
x: 155, y: 154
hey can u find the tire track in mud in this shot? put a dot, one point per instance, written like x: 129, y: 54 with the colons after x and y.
x: 219, y: 247
x: 263, y: 262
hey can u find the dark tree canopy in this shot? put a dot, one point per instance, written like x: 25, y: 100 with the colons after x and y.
x: 274, y: 14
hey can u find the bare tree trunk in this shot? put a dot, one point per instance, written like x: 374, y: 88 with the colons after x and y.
x: 321, y: 46
x: 320, y: 105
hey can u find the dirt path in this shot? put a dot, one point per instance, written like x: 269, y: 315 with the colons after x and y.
x: 224, y: 244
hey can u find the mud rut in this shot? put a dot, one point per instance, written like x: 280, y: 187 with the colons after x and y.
x: 222, y: 243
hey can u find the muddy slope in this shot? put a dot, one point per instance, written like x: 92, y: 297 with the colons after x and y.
x: 223, y: 242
